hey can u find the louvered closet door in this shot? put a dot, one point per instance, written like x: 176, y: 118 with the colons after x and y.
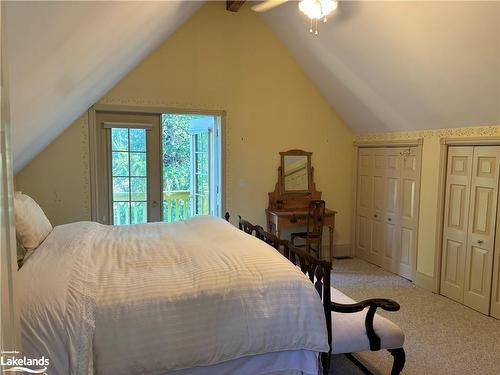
x: 482, y: 224
x: 364, y: 202
x: 410, y: 191
x: 378, y: 207
x: 455, y: 226
x: 392, y: 208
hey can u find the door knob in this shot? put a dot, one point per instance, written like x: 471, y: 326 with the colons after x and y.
x: 154, y: 204
x: 390, y: 219
x: 375, y: 215
x: 480, y: 242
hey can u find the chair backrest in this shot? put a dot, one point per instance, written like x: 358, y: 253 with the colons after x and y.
x: 315, y: 218
x: 248, y: 227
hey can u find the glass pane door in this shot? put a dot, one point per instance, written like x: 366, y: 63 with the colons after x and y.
x: 129, y: 176
x: 128, y: 188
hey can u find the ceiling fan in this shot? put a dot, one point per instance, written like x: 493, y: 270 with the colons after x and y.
x: 314, y: 9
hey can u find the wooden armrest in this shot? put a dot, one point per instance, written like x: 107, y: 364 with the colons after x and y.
x: 383, y: 303
x: 372, y: 304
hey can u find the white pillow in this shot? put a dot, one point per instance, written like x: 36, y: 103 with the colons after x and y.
x: 32, y: 226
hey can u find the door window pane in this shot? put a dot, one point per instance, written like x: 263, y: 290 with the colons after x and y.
x: 119, y: 139
x: 138, y: 189
x: 121, y: 189
x: 120, y: 163
x: 129, y: 176
x: 139, y: 212
x: 121, y: 213
x: 138, y: 164
x: 137, y: 140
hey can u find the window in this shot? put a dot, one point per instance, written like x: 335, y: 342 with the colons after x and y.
x: 157, y: 167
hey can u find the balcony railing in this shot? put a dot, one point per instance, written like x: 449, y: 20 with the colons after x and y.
x: 176, y: 205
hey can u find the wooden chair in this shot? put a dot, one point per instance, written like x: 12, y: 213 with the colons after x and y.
x: 357, y: 327
x: 248, y: 227
x: 314, y: 228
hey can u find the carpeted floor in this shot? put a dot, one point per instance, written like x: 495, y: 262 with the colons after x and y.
x: 442, y: 336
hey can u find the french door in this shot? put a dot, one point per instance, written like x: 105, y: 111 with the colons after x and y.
x: 157, y: 167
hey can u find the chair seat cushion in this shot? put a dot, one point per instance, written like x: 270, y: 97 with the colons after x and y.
x: 349, y: 332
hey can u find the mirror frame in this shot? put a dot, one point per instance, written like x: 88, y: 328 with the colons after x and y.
x: 309, y: 172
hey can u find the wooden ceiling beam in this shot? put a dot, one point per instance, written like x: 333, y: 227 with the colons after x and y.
x: 234, y: 6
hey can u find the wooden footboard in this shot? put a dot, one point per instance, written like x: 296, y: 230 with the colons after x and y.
x: 319, y: 272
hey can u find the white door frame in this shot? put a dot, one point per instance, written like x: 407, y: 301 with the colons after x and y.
x: 418, y: 143
x: 443, y: 159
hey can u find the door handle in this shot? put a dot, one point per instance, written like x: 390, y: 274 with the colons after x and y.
x: 375, y: 215
x: 154, y: 204
x: 390, y: 219
x: 480, y: 242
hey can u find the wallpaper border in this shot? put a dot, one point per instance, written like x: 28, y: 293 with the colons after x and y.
x: 475, y: 131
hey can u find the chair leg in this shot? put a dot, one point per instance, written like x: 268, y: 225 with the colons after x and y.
x: 399, y: 360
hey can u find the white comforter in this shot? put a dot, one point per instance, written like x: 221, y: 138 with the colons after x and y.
x: 148, y: 299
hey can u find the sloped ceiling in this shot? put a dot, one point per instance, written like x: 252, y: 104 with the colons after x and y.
x: 383, y: 66
x: 398, y: 66
x: 63, y: 56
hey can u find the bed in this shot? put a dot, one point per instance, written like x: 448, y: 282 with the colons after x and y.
x: 189, y: 298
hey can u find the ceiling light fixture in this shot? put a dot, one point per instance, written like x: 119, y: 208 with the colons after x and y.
x: 316, y: 10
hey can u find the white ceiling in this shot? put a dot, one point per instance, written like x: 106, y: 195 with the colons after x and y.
x: 384, y: 66
x: 398, y: 66
x: 63, y: 56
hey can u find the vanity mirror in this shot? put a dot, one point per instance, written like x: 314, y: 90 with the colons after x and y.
x: 296, y: 172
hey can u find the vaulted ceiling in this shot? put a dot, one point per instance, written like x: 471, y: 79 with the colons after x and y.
x: 398, y: 66
x: 383, y: 66
x: 64, y: 55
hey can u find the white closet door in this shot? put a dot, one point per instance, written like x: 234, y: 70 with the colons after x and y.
x: 482, y: 224
x: 364, y: 202
x: 392, y: 208
x: 410, y: 191
x: 455, y: 226
x: 378, y: 207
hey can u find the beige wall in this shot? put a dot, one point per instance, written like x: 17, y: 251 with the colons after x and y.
x: 58, y: 178
x: 429, y: 192
x: 221, y: 61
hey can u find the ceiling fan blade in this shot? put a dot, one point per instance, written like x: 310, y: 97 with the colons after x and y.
x: 267, y: 5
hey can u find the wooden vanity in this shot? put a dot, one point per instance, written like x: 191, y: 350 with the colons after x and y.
x: 289, y: 201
